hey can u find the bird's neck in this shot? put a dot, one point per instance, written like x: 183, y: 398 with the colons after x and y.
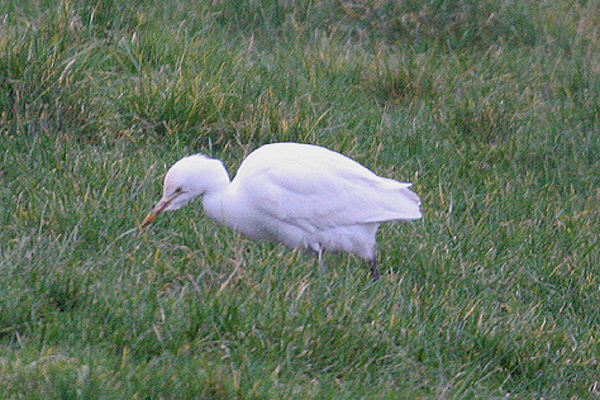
x: 216, y: 204
x: 215, y: 194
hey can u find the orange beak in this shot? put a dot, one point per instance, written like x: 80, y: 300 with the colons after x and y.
x: 159, y: 208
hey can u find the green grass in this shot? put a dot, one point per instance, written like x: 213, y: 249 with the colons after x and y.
x: 490, y: 108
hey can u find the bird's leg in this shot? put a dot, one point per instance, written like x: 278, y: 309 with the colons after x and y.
x: 374, y: 268
x: 322, y: 263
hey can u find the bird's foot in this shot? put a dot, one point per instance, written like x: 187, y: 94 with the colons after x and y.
x: 374, y: 269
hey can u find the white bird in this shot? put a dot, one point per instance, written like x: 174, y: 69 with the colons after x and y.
x: 301, y: 195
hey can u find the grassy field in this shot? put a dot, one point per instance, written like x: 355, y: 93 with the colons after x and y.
x: 491, y: 109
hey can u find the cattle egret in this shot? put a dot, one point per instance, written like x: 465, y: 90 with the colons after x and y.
x: 301, y: 195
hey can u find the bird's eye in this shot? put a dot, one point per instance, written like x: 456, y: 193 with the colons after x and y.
x: 179, y: 190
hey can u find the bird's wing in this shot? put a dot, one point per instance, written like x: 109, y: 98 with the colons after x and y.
x: 318, y: 193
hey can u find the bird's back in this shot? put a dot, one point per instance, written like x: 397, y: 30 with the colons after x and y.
x: 317, y: 189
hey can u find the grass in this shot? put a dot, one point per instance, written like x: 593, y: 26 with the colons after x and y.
x: 490, y: 109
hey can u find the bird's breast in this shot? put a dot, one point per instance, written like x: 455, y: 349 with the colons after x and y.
x: 241, y: 217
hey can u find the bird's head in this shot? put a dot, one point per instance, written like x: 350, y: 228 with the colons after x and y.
x: 188, y: 178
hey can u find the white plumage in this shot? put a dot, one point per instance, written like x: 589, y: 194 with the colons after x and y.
x: 298, y: 194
